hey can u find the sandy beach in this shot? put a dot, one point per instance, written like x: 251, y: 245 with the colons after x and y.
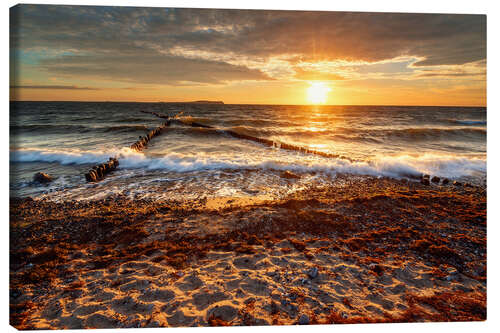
x: 196, y: 167
x: 364, y: 250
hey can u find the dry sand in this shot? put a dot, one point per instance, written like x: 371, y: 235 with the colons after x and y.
x: 365, y: 250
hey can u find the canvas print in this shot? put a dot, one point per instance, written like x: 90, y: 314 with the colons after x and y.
x: 216, y: 167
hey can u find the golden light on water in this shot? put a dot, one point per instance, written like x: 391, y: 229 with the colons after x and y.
x: 317, y: 93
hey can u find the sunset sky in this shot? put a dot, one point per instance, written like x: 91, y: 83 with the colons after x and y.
x: 239, y: 56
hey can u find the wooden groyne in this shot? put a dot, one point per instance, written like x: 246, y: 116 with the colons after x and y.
x: 265, y: 142
x: 98, y: 172
x: 286, y: 146
x: 144, y: 140
x: 159, y: 115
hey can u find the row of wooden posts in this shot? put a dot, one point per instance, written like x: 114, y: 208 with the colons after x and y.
x: 143, y: 141
x: 266, y: 142
x: 98, y: 172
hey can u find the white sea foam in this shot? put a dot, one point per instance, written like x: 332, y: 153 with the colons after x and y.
x: 392, y: 166
x: 62, y: 157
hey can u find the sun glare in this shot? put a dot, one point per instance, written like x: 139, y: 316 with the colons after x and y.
x: 317, y: 92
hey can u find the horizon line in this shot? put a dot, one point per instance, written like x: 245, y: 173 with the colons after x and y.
x: 191, y: 102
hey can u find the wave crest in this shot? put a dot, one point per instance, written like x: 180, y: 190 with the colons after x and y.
x: 390, y: 166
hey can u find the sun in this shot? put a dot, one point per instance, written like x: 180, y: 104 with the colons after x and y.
x: 317, y: 92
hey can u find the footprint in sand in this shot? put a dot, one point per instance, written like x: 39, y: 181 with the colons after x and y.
x: 189, y: 283
x: 71, y: 322
x: 398, y: 289
x: 180, y: 319
x: 102, y: 296
x: 245, y: 262
x: 135, y: 265
x: 202, y: 299
x: 378, y: 299
x: 255, y: 286
x: 160, y: 295
x: 224, y: 312
x: 98, y: 320
x: 374, y: 309
x: 85, y: 310
x: 129, y: 306
x: 52, y: 310
x: 325, y: 298
x: 233, y: 284
x: 136, y: 284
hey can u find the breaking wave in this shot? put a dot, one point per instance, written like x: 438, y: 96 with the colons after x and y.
x: 61, y: 157
x: 391, y: 166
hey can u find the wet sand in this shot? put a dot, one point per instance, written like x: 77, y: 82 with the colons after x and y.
x: 364, y: 250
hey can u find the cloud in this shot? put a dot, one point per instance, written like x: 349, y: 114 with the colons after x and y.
x: 142, y: 44
x: 52, y: 87
x: 475, y: 70
x: 149, y: 68
x: 450, y: 74
x: 317, y: 75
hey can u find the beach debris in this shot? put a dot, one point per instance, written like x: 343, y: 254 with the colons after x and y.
x: 293, y: 296
x: 419, y: 247
x: 312, y: 273
x: 452, y: 273
x: 289, y: 175
x: 451, y: 270
x: 42, y: 177
x: 304, y: 319
x: 435, y: 179
x: 425, y: 180
x: 445, y: 181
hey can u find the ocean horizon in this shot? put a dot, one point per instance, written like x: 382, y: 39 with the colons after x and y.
x: 66, y: 138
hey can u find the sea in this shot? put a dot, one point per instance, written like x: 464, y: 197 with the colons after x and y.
x: 65, y: 139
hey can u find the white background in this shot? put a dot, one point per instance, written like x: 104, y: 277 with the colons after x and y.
x: 420, y: 6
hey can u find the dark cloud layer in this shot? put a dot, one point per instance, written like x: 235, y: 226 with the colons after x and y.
x: 452, y: 74
x: 135, y: 44
x: 53, y: 87
x: 149, y: 68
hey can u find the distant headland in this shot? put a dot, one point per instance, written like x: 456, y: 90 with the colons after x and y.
x: 196, y: 102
